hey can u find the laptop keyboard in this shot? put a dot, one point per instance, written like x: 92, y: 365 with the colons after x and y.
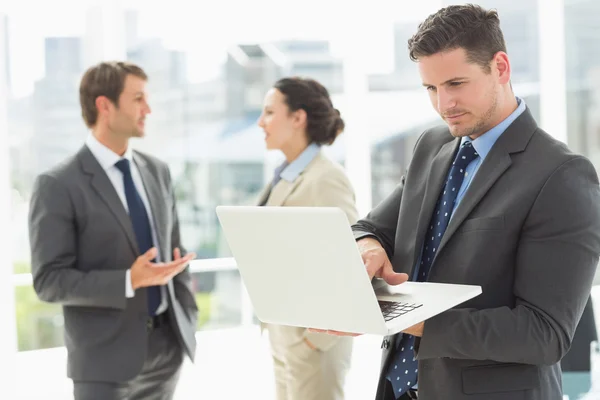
x: 393, y: 309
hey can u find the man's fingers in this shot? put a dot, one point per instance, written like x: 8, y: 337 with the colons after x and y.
x: 176, y: 265
x: 166, y: 274
x: 176, y: 253
x: 338, y: 333
x: 150, y: 254
x: 373, y: 268
x: 333, y: 333
x: 391, y: 277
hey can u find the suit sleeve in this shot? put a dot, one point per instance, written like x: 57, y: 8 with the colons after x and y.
x: 555, y: 263
x: 381, y: 223
x: 332, y: 190
x: 53, y: 241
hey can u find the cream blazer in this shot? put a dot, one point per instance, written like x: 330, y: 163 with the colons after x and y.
x: 323, y: 183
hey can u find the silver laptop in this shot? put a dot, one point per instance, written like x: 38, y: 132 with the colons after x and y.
x: 302, y: 267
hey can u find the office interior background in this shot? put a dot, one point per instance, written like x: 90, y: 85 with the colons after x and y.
x: 209, y: 67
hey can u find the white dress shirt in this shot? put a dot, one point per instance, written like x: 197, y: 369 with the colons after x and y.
x: 107, y: 159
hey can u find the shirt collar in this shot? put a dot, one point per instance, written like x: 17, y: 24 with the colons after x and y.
x: 292, y: 170
x: 484, y: 143
x: 105, y: 156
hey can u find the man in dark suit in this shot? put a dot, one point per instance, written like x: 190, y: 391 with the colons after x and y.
x: 491, y: 200
x: 105, y: 245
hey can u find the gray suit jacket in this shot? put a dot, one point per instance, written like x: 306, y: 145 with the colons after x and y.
x: 82, y: 242
x: 528, y: 232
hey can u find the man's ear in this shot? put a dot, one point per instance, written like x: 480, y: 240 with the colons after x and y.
x: 502, y: 66
x: 103, y: 105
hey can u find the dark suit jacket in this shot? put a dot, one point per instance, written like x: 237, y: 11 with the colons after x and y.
x: 528, y: 232
x: 82, y: 242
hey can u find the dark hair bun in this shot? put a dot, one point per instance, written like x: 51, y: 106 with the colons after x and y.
x: 338, y: 125
x: 323, y: 121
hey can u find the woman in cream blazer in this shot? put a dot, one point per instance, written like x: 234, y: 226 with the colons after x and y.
x: 298, y: 118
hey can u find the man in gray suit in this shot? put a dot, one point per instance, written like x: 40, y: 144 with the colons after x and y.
x: 492, y: 200
x: 105, y: 244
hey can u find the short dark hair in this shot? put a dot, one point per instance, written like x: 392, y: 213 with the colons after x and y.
x: 323, y: 121
x: 104, y: 79
x: 469, y: 26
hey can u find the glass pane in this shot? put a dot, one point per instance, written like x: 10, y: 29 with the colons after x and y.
x: 391, y: 149
x: 582, y: 42
x: 39, y: 324
x: 218, y: 295
x: 582, y: 50
x: 206, y: 96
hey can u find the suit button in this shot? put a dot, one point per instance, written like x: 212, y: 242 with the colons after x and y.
x: 149, y: 324
x: 385, y: 344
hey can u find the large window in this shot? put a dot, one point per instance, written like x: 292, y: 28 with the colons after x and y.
x: 401, y: 92
x: 209, y: 68
x: 582, y: 41
x: 206, y: 85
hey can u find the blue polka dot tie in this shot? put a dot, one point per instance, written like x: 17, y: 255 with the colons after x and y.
x: 402, y: 372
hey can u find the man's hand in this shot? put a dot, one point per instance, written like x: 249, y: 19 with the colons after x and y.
x: 377, y: 262
x: 378, y: 266
x: 334, y: 333
x: 145, y: 273
x: 415, y: 330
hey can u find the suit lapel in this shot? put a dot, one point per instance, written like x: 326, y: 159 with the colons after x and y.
x: 264, y: 195
x: 435, y: 181
x: 282, y: 190
x: 513, y: 140
x: 100, y: 182
x: 490, y: 170
x: 155, y: 198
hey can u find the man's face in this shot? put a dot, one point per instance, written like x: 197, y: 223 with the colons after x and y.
x: 128, y: 118
x: 462, y: 92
